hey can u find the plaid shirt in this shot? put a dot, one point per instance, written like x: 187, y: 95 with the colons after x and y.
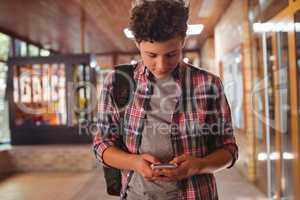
x: 201, y: 123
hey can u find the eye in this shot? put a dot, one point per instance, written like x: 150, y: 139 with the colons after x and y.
x: 152, y: 55
x: 171, y: 55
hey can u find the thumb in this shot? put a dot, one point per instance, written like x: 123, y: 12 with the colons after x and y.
x: 150, y: 158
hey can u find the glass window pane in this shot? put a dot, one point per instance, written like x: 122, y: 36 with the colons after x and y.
x: 259, y: 112
x: 286, y: 144
x: 33, y: 50
x: 4, y: 119
x: 82, y: 94
x: 297, y: 47
x: 21, y: 48
x: 5, y: 44
x: 39, y: 94
x: 233, y: 85
x: 44, y: 52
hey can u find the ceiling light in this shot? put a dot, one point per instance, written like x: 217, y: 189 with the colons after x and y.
x: 262, y: 156
x: 128, y: 33
x: 275, y: 27
x: 288, y: 156
x: 193, y: 29
x: 93, y: 61
x: 186, y: 60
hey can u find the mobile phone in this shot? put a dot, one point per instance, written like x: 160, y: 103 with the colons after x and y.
x: 164, y: 166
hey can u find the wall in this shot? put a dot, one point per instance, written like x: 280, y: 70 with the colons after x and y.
x: 47, y: 158
x: 6, y: 163
x: 208, y: 55
x: 230, y: 33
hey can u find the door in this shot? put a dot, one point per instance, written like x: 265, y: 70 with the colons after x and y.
x: 277, y: 131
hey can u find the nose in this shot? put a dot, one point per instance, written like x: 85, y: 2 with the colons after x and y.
x: 161, y: 63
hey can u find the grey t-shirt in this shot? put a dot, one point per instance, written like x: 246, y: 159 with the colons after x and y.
x: 157, y: 142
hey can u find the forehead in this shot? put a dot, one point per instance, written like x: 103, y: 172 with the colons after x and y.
x: 161, y: 47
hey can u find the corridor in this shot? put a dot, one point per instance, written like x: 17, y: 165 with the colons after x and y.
x: 56, y: 57
x: 90, y: 186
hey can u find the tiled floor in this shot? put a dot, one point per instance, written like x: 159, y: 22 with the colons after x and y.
x: 90, y: 186
x: 232, y: 186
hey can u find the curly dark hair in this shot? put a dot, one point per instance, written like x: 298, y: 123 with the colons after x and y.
x: 159, y: 20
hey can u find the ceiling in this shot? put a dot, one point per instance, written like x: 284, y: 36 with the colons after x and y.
x: 77, y: 26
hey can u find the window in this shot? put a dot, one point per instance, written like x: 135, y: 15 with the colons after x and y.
x: 5, y: 44
x: 297, y: 49
x: 33, y: 50
x: 21, y: 48
x: 82, y: 102
x: 4, y: 128
x: 49, y: 99
x: 39, y: 94
x: 233, y: 86
x: 44, y: 52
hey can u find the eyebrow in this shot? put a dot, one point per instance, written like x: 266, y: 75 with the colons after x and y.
x: 164, y: 54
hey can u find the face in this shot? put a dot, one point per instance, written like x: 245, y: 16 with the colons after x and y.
x: 161, y: 58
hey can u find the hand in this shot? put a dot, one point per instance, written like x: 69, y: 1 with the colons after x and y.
x: 187, y: 166
x: 143, y: 166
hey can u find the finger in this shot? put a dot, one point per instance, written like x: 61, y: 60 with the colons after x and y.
x: 169, y: 173
x: 157, y: 173
x: 173, y: 176
x: 180, y: 171
x: 150, y: 158
x: 179, y: 159
x: 148, y: 176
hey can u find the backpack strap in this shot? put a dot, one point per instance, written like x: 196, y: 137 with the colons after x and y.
x: 123, y: 89
x: 123, y: 85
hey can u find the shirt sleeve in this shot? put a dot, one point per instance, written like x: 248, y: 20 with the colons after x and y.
x: 108, y: 126
x: 222, y: 135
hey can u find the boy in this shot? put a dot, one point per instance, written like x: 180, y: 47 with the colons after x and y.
x: 178, y: 115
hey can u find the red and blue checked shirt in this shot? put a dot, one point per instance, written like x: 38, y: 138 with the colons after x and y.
x: 201, y: 123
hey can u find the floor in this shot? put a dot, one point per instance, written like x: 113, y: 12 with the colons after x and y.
x: 233, y: 186
x: 90, y: 186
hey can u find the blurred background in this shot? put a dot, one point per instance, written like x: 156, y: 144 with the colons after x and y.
x: 54, y: 55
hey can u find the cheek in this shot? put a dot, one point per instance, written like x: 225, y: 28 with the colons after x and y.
x: 147, y: 61
x: 174, y: 61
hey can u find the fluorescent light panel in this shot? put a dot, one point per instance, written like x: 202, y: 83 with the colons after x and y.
x: 128, y: 33
x: 276, y: 27
x: 193, y: 29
